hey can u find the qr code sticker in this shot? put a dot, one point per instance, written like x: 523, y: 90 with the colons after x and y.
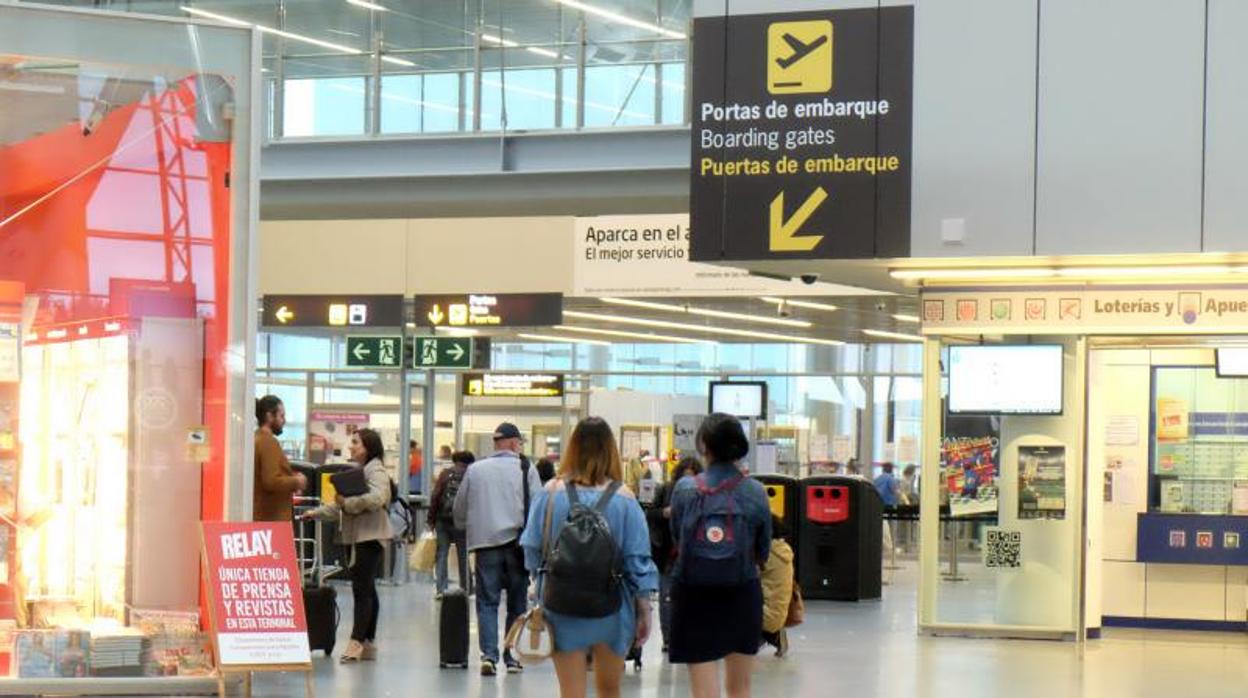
x: 1003, y: 548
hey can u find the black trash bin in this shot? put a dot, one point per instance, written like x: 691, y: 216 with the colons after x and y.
x: 840, y: 538
x: 782, y: 495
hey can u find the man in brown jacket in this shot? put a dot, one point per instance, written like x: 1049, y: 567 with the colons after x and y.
x: 276, y: 482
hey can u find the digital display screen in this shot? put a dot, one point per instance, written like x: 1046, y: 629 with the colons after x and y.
x: 746, y: 400
x: 1010, y: 379
x: 1232, y: 362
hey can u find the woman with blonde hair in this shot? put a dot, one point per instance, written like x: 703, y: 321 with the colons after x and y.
x: 588, y: 547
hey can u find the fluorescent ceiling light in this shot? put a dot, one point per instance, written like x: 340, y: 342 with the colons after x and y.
x: 799, y: 304
x: 893, y: 335
x: 569, y: 340
x: 707, y: 312
x: 1143, y: 271
x: 978, y: 273
x: 212, y: 15
x: 398, y: 61
x: 632, y: 335
x: 622, y: 19
x: 906, y: 318
x: 490, y: 38
x: 368, y: 5
x: 293, y: 36
x: 458, y: 331
x: 751, y: 334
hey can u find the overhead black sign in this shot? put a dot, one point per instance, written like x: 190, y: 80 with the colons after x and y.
x: 490, y: 310
x: 332, y: 311
x: 801, y: 135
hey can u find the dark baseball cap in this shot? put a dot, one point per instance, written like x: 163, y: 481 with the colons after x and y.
x: 507, y: 430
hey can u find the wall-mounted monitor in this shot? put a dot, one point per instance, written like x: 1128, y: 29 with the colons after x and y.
x: 1232, y: 362
x: 743, y: 399
x: 1006, y: 379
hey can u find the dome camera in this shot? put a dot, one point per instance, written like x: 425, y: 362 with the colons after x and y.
x: 809, y: 278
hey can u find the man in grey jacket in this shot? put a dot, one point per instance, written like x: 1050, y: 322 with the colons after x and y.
x: 492, y: 504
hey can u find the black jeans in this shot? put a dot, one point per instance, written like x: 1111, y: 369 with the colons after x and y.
x: 368, y: 556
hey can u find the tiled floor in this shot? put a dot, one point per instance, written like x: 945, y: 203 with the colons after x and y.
x: 868, y: 649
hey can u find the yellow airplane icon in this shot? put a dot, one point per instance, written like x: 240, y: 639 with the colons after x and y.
x: 799, y: 57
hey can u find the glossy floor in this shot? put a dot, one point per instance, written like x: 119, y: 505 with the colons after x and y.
x: 868, y: 649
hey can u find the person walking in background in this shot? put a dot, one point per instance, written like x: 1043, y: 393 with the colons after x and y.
x: 721, y: 522
x: 442, y: 520
x: 492, y: 505
x: 545, y: 470
x: 888, y: 486
x: 777, y: 588
x: 595, y: 584
x: 276, y: 483
x: 364, y: 525
x: 662, y: 547
x: 415, y: 463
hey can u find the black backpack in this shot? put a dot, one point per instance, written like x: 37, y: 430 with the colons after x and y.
x: 446, y: 505
x: 581, y: 570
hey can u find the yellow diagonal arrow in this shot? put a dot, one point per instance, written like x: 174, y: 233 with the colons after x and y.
x: 784, y: 233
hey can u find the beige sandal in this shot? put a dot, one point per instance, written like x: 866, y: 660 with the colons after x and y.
x: 353, y: 653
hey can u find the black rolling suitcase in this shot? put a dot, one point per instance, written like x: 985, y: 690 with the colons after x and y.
x: 453, y: 630
x: 321, y: 605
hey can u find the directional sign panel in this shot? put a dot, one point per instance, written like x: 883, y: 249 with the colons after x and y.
x: 442, y: 352
x: 375, y: 352
x: 332, y: 311
x: 801, y: 135
x: 490, y: 310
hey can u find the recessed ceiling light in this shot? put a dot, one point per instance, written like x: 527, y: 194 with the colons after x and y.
x: 704, y: 329
x: 707, y: 312
x: 799, y: 303
x: 893, y: 335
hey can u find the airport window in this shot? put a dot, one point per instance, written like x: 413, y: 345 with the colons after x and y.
x: 420, y: 61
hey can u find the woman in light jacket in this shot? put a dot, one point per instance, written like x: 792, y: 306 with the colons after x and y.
x: 363, y: 523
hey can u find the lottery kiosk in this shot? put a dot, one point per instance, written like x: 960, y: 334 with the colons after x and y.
x: 1093, y: 437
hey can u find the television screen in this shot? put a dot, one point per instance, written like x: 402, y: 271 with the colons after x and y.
x: 1232, y: 362
x: 744, y: 400
x: 1005, y: 379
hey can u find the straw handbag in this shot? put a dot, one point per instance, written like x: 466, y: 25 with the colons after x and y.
x: 531, y: 639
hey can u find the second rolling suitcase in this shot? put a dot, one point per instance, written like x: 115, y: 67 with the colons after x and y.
x: 453, y: 630
x: 321, y: 606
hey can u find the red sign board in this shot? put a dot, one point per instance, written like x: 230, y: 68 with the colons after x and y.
x: 257, y: 599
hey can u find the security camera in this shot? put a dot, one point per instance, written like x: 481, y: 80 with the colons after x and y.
x: 809, y: 279
x: 783, y: 309
x: 881, y: 306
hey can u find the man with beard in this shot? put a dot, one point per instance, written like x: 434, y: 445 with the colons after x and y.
x: 276, y: 482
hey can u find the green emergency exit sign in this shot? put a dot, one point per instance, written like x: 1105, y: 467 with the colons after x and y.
x: 442, y: 352
x: 375, y: 352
